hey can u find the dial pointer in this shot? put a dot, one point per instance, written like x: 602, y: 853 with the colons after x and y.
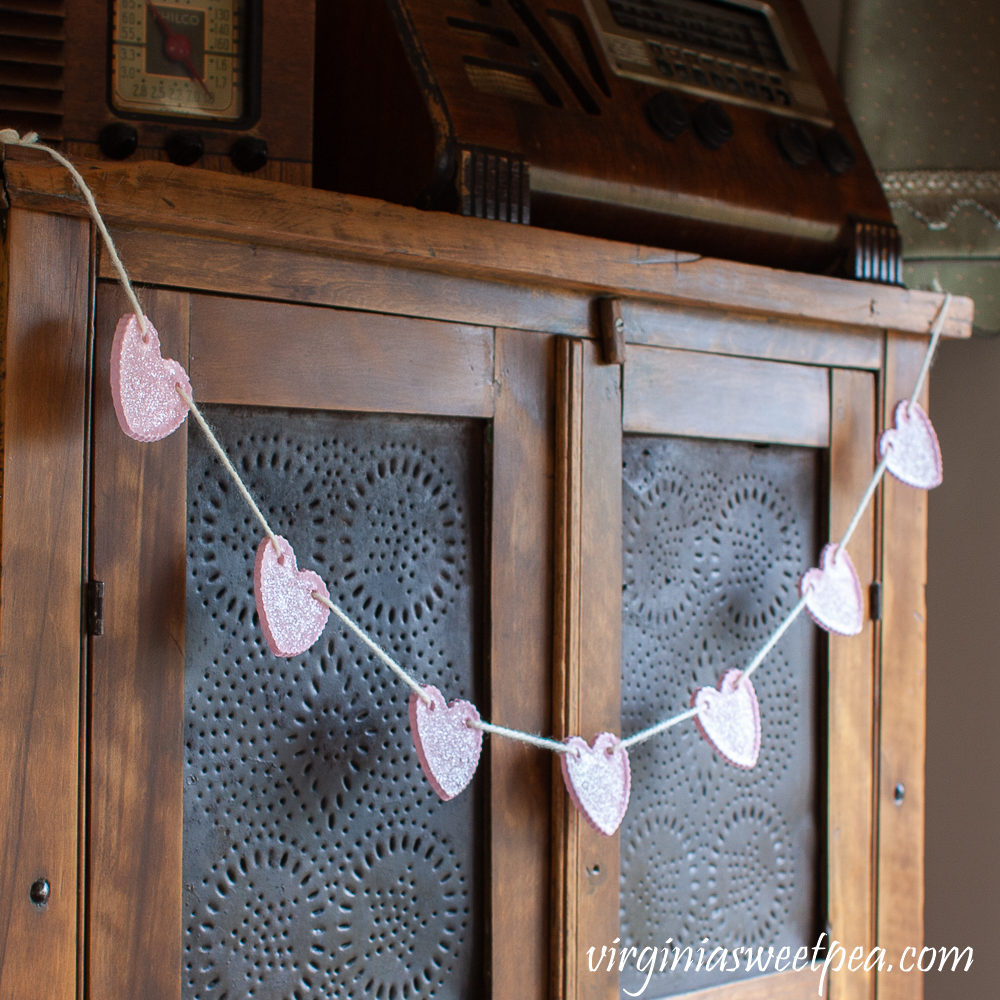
x: 177, y: 46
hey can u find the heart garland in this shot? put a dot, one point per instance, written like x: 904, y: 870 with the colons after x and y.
x: 448, y: 737
x: 833, y: 593
x: 144, y: 387
x: 729, y: 718
x: 448, y: 748
x: 598, y: 779
x: 290, y: 617
x: 911, y: 448
x: 144, y: 383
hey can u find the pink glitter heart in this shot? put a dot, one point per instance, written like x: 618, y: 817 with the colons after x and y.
x: 448, y: 749
x: 598, y: 779
x: 912, y: 447
x: 729, y: 718
x: 290, y: 617
x: 833, y: 593
x: 144, y: 383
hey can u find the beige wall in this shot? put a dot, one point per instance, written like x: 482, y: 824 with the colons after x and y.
x: 962, y: 867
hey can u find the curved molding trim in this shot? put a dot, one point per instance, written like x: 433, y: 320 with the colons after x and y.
x: 935, y: 196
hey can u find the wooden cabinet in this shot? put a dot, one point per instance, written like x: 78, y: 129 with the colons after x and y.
x: 340, y: 346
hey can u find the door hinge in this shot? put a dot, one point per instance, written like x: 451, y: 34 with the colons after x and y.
x: 95, y: 607
x: 875, y: 601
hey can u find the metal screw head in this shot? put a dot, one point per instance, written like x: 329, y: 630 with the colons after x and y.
x: 39, y: 891
x: 898, y: 794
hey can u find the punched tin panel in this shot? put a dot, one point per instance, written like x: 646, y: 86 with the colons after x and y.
x: 715, y: 537
x: 318, y: 861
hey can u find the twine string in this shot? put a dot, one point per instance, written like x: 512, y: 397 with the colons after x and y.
x: 224, y: 458
x: 515, y: 734
x: 935, y: 336
x: 936, y: 329
x: 786, y: 624
x: 648, y: 734
x: 374, y: 647
x: 30, y: 141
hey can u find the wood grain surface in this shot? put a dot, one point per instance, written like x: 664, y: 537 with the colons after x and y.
x: 224, y: 207
x: 520, y: 685
x: 801, y: 985
x: 288, y: 275
x: 903, y: 696
x: 271, y: 354
x: 752, y: 336
x: 230, y: 267
x: 43, y: 415
x: 137, y: 683
x: 566, y: 821
x: 711, y: 396
x: 850, y: 755
x: 587, y: 652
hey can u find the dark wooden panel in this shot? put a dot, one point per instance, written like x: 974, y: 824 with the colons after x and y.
x: 137, y: 683
x: 271, y: 354
x: 521, y: 662
x: 752, y: 336
x: 587, y: 652
x: 703, y: 395
x: 40, y: 626
x: 296, y: 276
x: 220, y: 206
x: 566, y: 822
x: 190, y: 262
x: 600, y: 646
x: 902, y: 696
x: 850, y: 756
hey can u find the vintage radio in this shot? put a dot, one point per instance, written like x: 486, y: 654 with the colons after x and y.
x: 700, y: 125
x: 224, y: 84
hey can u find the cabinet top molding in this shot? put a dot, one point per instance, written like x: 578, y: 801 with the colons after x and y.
x: 199, y: 203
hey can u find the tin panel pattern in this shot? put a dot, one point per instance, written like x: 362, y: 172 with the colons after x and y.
x: 716, y: 536
x: 318, y: 861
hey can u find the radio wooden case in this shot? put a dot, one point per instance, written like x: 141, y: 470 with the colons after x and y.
x: 696, y: 125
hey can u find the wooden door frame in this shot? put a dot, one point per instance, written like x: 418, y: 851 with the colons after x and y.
x: 45, y: 315
x: 666, y: 391
x: 137, y: 674
x: 586, y: 654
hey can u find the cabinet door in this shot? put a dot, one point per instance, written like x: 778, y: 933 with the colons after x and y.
x: 732, y: 474
x: 261, y: 826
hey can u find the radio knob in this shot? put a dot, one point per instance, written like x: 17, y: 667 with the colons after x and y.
x: 836, y: 152
x: 712, y: 124
x: 797, y: 143
x: 184, y: 148
x: 118, y: 141
x: 667, y: 115
x: 249, y: 154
